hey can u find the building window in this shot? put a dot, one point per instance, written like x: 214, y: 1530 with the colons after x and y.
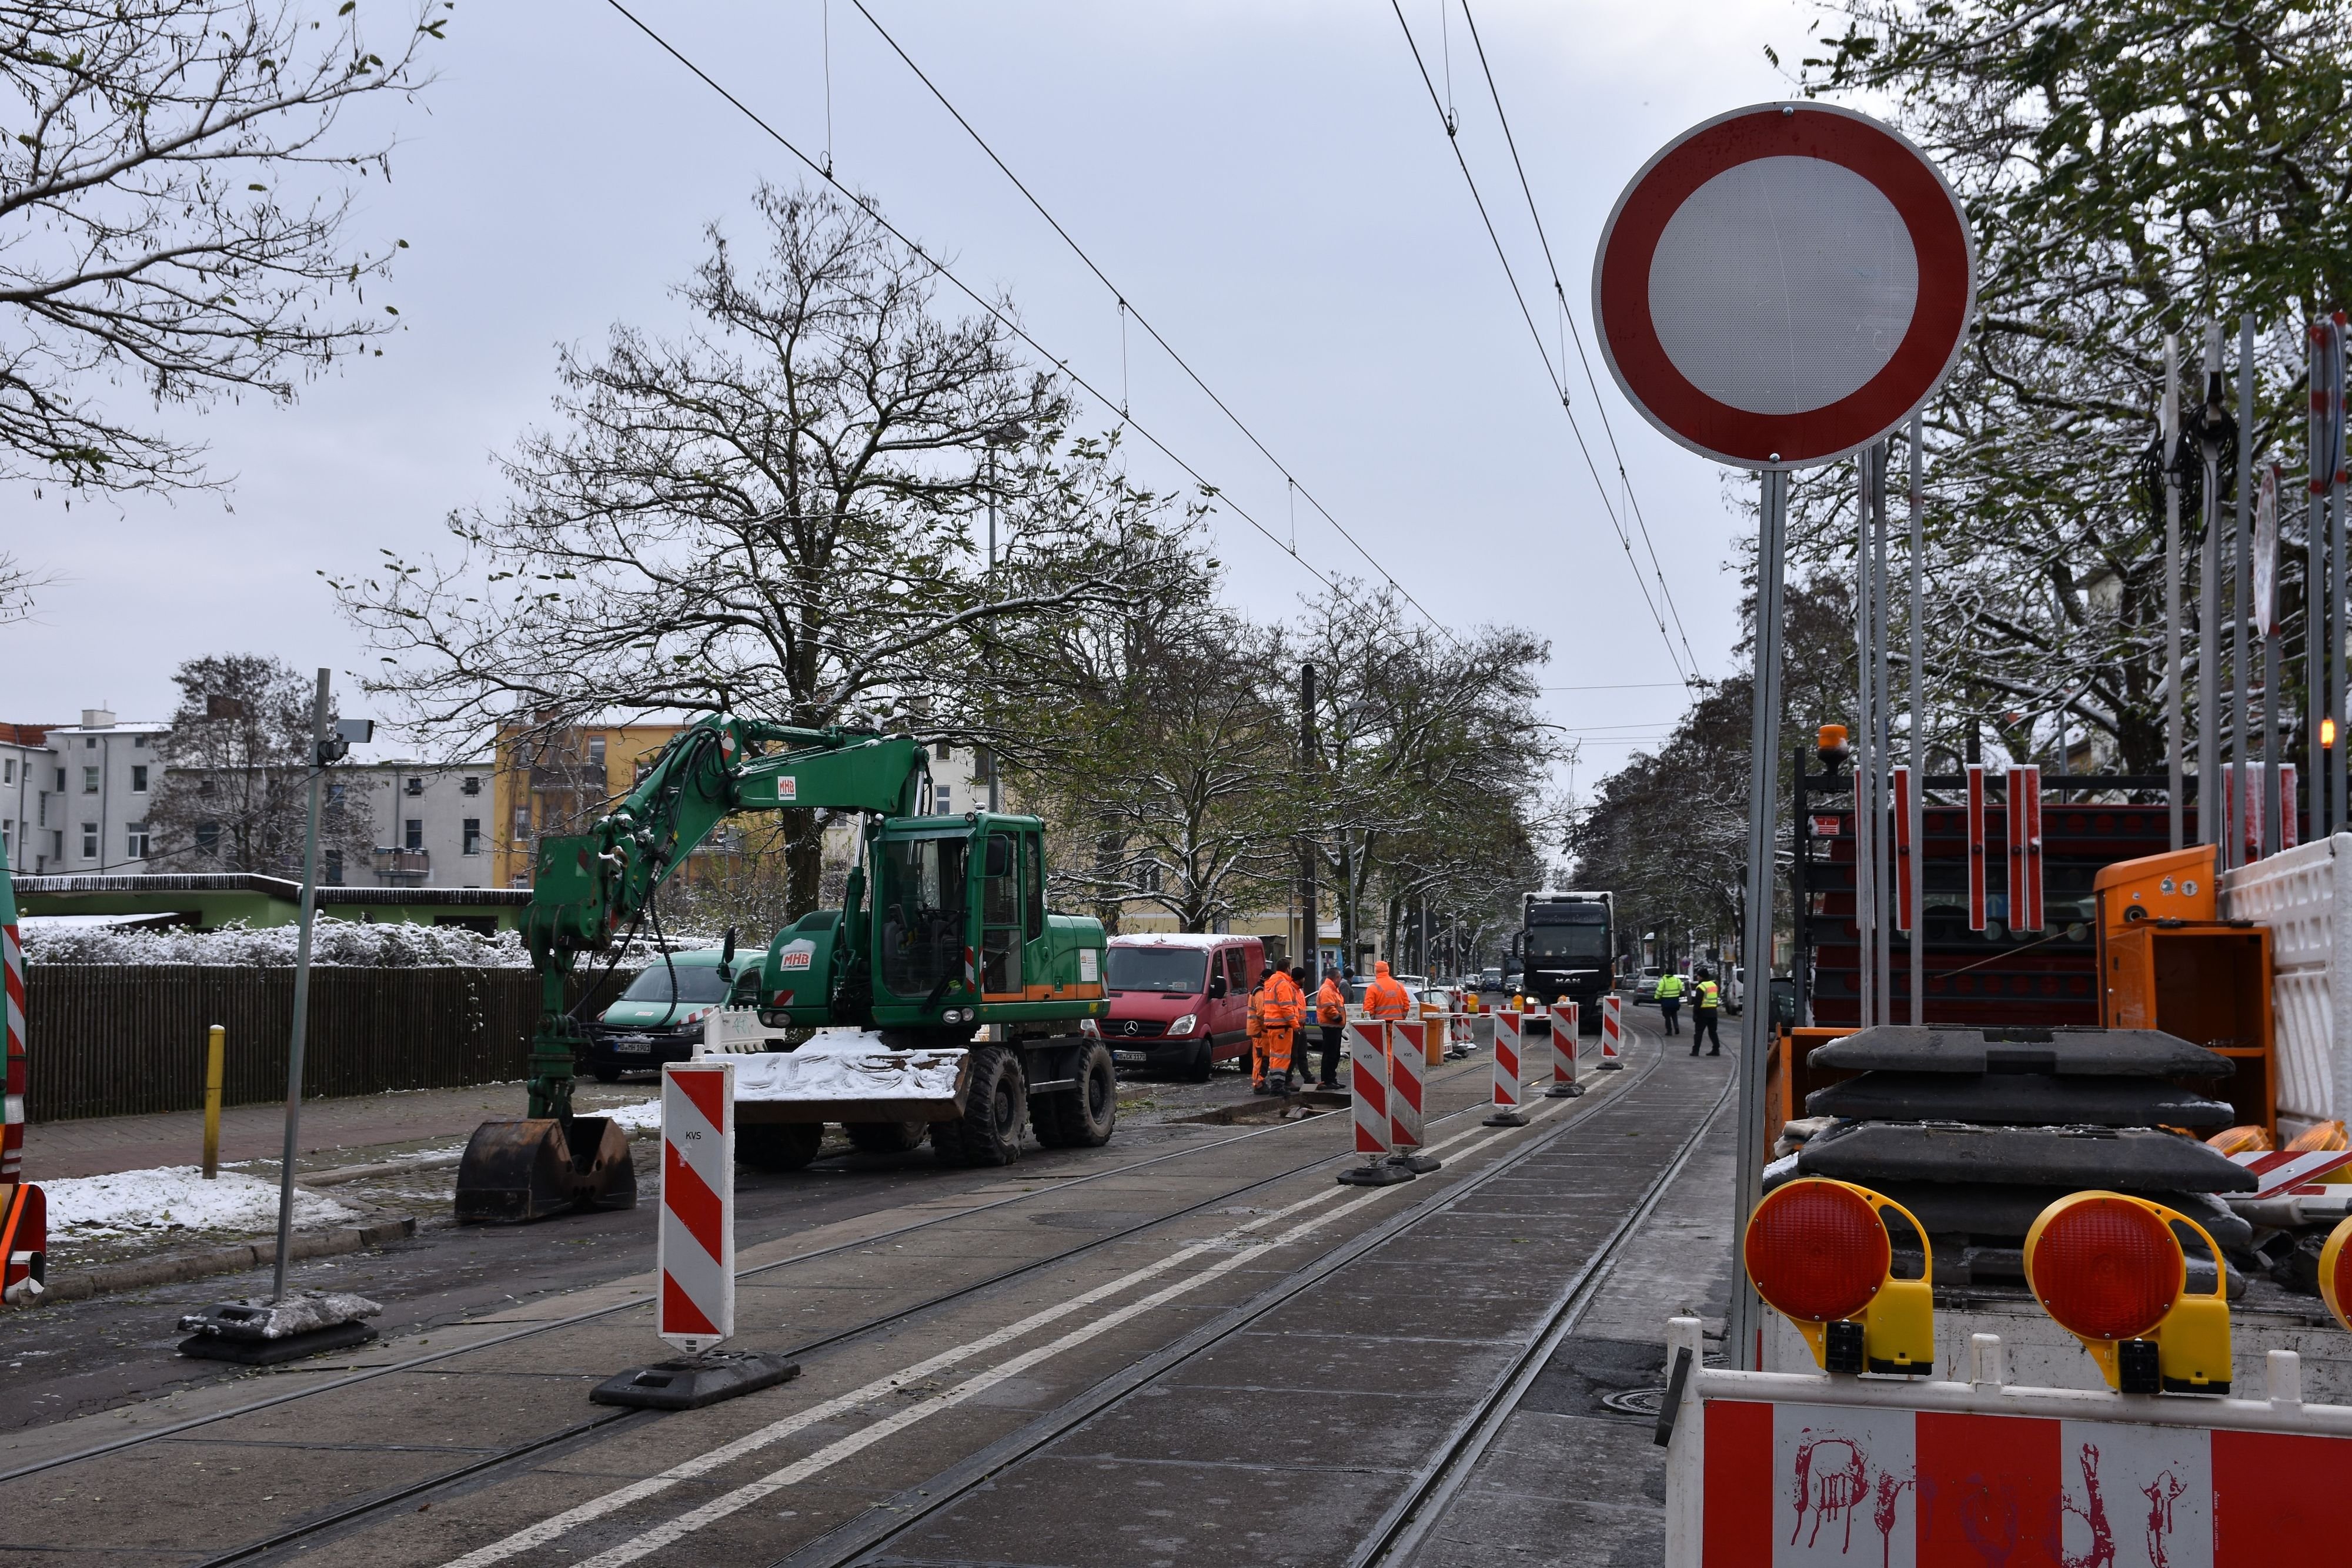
x: 415, y: 786
x: 138, y: 779
x: 5, y: 837
x: 208, y: 837
x: 90, y: 743
x: 61, y: 780
x: 473, y: 840
x: 333, y: 874
x: 941, y: 751
x: 139, y: 741
x: 207, y: 786
x: 469, y: 786
x: 412, y: 833
x: 89, y: 841
x: 596, y: 752
x: 942, y: 799
x: 134, y: 841
x: 90, y: 780
x: 522, y: 822
x: 8, y: 770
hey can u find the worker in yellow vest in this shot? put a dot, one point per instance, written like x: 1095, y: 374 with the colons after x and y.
x: 1705, y: 1009
x: 1670, y: 1000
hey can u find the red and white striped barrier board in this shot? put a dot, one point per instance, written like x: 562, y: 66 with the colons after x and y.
x: 1566, y: 1021
x: 2257, y: 799
x: 2280, y: 1170
x: 1904, y: 859
x: 12, y: 1141
x: 1976, y: 846
x: 1511, y: 1086
x: 1368, y: 1083
x: 1613, y: 1032
x: 1408, y: 1066
x: 696, y: 1252
x: 2024, y: 792
x: 1509, y: 1032
x: 1787, y: 1469
x: 24, y: 1244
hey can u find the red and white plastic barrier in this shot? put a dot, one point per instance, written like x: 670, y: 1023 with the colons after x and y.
x: 2025, y: 792
x: 1367, y: 1083
x: 1798, y: 1469
x: 1408, y: 1067
x: 1612, y: 1032
x: 12, y: 960
x: 24, y: 1244
x: 1566, y: 1021
x: 695, y: 1250
x: 1510, y: 1087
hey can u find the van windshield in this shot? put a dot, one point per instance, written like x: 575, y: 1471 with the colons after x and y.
x: 1173, y: 971
x: 696, y: 983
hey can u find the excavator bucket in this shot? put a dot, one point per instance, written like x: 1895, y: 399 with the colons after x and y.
x: 527, y: 1168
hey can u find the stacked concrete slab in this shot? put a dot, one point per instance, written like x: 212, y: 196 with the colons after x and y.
x: 1977, y: 1131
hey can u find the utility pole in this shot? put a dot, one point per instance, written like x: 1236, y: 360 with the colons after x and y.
x: 2242, y: 596
x: 2209, y: 602
x: 2169, y: 417
x: 1311, y: 943
x: 1916, y: 828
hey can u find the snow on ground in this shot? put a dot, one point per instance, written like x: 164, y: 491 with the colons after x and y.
x: 644, y: 1114
x: 131, y: 1203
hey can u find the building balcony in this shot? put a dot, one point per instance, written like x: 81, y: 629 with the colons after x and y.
x: 404, y: 867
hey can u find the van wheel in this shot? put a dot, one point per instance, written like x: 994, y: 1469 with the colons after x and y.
x: 988, y: 1131
x: 778, y: 1146
x: 605, y: 1074
x: 885, y: 1137
x: 1202, y: 1062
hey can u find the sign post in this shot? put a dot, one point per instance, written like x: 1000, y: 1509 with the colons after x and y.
x: 1780, y: 287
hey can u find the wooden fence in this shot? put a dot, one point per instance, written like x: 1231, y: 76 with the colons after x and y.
x: 116, y: 1039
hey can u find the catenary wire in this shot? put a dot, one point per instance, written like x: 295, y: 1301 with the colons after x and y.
x: 1576, y: 335
x: 995, y: 311
x: 1130, y: 311
x: 1559, y: 386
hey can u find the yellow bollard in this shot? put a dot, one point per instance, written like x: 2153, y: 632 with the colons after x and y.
x: 213, y: 1053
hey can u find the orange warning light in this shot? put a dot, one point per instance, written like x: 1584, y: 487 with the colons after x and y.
x: 1819, y: 1254
x: 2109, y: 1270
x: 2327, y: 734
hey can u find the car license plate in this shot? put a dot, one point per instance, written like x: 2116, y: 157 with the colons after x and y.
x: 1136, y: 1057
x: 633, y: 1047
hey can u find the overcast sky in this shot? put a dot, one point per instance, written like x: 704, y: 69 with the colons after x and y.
x: 1266, y: 180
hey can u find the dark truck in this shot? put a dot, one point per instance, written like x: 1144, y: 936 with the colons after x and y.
x: 1565, y: 943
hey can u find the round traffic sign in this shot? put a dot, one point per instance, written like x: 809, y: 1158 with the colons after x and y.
x: 1783, y: 285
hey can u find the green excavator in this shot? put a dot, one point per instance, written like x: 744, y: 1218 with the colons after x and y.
x: 942, y: 954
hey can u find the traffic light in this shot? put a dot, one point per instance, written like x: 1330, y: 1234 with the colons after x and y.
x: 1819, y: 1254
x: 2336, y: 1273
x: 2110, y: 1271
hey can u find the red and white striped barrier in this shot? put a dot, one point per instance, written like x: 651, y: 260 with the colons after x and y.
x: 1510, y: 1087
x: 1786, y: 1469
x: 1408, y: 1073
x: 24, y: 1244
x: 2281, y: 1170
x: 1567, y: 1019
x: 695, y: 1250
x: 1371, y: 1104
x: 1612, y: 1033
x: 12, y: 961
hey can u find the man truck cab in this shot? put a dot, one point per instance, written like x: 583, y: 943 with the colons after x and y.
x: 1180, y: 1001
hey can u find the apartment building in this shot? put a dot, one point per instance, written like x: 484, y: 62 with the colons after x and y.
x: 433, y: 823
x: 74, y: 796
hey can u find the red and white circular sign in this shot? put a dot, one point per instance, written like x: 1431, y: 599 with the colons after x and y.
x: 1783, y: 285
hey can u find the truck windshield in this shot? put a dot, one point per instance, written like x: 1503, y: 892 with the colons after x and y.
x: 1577, y: 944
x: 696, y: 983
x: 921, y: 903
x: 1171, y: 970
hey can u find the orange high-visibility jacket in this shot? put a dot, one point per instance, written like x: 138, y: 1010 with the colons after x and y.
x: 1331, y: 1003
x: 1386, y: 999
x: 1281, y: 1004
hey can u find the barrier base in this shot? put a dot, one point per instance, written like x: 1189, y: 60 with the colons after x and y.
x: 1563, y: 1091
x: 1611, y: 1065
x: 1380, y: 1173
x: 1506, y: 1119
x: 271, y: 1351
x: 692, y: 1382
x: 1419, y: 1164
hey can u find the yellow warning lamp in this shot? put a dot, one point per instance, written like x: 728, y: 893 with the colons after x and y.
x: 2336, y: 1273
x: 2110, y: 1271
x: 1819, y: 1254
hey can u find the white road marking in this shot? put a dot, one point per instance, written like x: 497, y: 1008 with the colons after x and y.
x: 558, y: 1525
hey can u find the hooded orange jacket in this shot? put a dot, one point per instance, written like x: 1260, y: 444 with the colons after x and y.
x: 1386, y: 999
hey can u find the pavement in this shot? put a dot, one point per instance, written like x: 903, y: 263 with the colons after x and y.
x: 1191, y: 1345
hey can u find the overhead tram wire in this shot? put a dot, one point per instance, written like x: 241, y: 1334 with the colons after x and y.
x: 1559, y: 292
x: 1129, y: 310
x: 1008, y: 322
x: 1690, y: 676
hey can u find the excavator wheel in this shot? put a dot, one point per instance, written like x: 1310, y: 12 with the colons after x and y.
x: 885, y: 1137
x: 778, y: 1146
x: 1084, y: 1117
x: 531, y: 1167
x: 988, y: 1131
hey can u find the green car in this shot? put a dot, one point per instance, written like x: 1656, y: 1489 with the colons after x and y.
x: 651, y: 1024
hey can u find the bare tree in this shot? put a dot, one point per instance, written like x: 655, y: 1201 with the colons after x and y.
x: 18, y: 584
x: 780, y: 510
x: 235, y: 794
x: 176, y: 204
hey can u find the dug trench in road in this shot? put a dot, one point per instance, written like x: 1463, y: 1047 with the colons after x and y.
x: 874, y: 1414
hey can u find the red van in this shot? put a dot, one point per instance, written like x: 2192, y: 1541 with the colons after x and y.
x: 1179, y: 1002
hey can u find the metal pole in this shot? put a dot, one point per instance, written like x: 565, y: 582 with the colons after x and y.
x: 1865, y: 733
x: 1308, y: 752
x: 2335, y: 578
x: 1919, y: 824
x: 301, y: 991
x: 1882, y: 865
x: 2243, y: 596
x: 2168, y: 419
x: 2315, y: 597
x: 216, y: 1043
x: 1745, y: 1322
x: 2209, y: 629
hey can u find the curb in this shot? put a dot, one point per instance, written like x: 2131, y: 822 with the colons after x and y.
x: 145, y: 1272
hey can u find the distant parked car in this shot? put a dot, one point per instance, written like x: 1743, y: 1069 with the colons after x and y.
x: 1490, y: 979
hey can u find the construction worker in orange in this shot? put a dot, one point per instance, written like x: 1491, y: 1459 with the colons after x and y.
x: 1331, y: 1014
x: 1385, y: 998
x: 1276, y: 1010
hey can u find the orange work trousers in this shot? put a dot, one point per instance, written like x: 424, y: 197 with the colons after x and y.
x: 1272, y: 1052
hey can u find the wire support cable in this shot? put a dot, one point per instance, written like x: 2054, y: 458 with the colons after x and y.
x: 1130, y: 312
x: 1689, y: 671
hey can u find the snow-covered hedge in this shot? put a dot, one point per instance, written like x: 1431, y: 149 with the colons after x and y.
x: 376, y: 944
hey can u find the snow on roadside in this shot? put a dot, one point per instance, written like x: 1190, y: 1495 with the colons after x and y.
x: 134, y: 1203
x: 645, y: 1116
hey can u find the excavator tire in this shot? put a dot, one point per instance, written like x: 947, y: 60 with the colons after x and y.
x: 1084, y: 1117
x: 885, y: 1137
x: 988, y: 1131
x: 778, y: 1146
